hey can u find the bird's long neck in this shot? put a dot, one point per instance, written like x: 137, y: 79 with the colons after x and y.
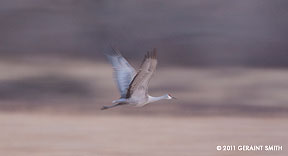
x: 153, y: 99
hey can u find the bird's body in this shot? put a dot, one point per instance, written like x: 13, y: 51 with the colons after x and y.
x: 134, y: 86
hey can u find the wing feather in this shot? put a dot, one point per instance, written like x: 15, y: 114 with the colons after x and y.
x: 123, y: 71
x: 139, y: 85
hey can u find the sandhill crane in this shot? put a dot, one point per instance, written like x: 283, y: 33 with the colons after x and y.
x: 133, y: 86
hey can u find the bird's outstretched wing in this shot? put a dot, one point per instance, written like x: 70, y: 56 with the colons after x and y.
x: 139, y: 85
x: 123, y: 71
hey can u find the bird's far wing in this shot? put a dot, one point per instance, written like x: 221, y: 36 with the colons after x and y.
x: 123, y: 71
x: 139, y: 86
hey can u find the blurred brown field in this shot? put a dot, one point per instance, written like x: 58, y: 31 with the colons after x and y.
x: 52, y: 107
x: 37, y: 134
x: 85, y: 86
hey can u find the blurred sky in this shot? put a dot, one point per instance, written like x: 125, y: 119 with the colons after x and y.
x: 186, y: 32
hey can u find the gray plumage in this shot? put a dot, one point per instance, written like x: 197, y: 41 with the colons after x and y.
x: 123, y: 71
x: 134, y: 87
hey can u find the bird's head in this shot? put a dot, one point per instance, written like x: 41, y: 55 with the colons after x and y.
x: 169, y: 96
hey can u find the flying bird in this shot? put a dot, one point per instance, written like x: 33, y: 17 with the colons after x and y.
x: 133, y: 86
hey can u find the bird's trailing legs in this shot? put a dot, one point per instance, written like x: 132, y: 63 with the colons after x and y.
x: 107, y: 107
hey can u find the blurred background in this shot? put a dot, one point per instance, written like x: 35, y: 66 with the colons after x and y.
x: 226, y: 62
